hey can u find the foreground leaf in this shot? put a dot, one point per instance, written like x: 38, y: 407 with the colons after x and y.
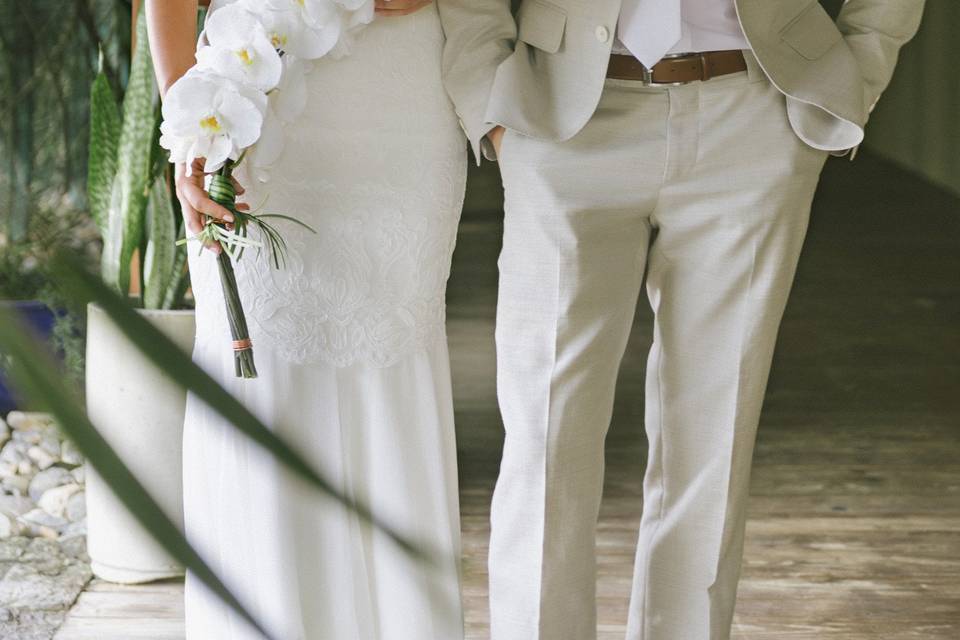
x: 36, y: 377
x: 82, y: 287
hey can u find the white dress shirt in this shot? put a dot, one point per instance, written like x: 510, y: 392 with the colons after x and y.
x: 708, y: 25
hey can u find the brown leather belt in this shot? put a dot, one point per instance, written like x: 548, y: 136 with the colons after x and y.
x: 678, y: 69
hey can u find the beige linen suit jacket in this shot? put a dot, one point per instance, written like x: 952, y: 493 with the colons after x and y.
x: 542, y: 71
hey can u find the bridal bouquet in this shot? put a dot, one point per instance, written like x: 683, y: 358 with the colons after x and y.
x: 247, y: 84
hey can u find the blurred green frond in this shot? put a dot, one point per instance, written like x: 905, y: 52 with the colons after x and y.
x: 36, y: 376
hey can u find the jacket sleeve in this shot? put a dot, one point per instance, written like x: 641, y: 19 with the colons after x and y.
x: 875, y: 30
x: 480, y: 34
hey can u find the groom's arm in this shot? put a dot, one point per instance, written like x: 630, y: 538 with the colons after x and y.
x: 480, y: 34
x: 875, y: 30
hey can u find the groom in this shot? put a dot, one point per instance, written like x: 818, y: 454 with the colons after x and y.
x: 678, y: 141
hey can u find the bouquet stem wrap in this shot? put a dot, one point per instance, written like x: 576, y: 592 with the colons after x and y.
x: 223, y: 193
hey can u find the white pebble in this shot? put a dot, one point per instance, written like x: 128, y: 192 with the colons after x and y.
x: 8, y: 468
x: 40, y: 518
x: 15, y: 505
x: 41, y: 456
x: 29, y: 420
x: 17, y: 485
x: 54, y: 501
x: 51, y: 443
x: 16, y: 418
x: 14, y: 451
x: 77, y: 506
x: 27, y: 437
x: 9, y: 527
x: 48, y: 479
x: 73, y: 530
x: 69, y: 453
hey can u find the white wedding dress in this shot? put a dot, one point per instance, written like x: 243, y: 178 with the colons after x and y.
x: 351, y: 350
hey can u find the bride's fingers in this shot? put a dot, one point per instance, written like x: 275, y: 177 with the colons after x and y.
x: 243, y: 206
x: 195, y: 226
x: 197, y: 168
x: 397, y: 8
x: 192, y: 219
x: 237, y: 187
x: 202, y: 203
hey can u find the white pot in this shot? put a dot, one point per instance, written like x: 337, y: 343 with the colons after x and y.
x: 139, y: 411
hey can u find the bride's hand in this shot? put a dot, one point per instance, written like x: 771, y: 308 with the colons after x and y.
x: 196, y: 203
x: 396, y: 8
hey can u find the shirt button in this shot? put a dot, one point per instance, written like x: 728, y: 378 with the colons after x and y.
x: 602, y: 33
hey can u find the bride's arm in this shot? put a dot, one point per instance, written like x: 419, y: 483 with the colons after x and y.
x: 172, y: 25
x: 172, y: 28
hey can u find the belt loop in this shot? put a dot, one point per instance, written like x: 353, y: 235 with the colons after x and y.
x: 754, y: 72
x: 705, y: 71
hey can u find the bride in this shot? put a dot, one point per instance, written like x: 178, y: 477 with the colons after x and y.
x: 351, y: 351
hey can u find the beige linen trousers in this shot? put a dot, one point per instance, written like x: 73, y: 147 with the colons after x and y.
x: 705, y: 190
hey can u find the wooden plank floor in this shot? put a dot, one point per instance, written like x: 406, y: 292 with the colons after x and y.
x: 854, y: 529
x: 106, y: 611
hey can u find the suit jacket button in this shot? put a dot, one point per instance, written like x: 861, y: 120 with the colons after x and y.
x: 602, y: 33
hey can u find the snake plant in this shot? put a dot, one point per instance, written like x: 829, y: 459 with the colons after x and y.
x: 130, y: 187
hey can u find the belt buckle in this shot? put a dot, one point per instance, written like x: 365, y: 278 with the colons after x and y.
x: 648, y: 81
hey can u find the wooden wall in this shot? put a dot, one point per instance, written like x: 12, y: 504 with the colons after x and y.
x: 917, y: 123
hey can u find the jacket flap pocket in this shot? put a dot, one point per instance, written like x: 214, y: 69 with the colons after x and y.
x: 541, y: 25
x: 812, y: 33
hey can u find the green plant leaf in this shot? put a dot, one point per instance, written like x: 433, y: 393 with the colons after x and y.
x: 173, y: 298
x: 180, y: 283
x: 164, y: 353
x: 130, y: 189
x: 35, y: 375
x: 102, y: 162
x: 160, y: 262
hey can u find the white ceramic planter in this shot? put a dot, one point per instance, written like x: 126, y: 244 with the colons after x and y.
x: 139, y: 411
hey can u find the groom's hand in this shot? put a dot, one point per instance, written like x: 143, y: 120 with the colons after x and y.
x: 496, y: 137
x: 396, y: 8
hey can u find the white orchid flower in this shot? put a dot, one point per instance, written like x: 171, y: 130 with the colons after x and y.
x: 271, y: 143
x: 354, y: 14
x: 250, y: 80
x: 313, y: 12
x: 284, y: 28
x: 290, y: 97
x: 207, y: 116
x: 361, y: 7
x: 240, y: 49
x: 288, y: 30
x: 285, y: 104
x: 308, y: 29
